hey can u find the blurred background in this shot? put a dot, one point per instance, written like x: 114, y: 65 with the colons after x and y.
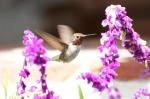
x: 83, y: 16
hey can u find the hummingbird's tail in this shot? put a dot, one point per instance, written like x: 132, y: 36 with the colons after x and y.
x: 56, y: 58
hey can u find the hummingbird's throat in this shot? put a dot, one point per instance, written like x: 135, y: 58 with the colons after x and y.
x: 77, y: 42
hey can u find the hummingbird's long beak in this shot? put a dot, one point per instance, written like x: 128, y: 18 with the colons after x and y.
x: 89, y: 35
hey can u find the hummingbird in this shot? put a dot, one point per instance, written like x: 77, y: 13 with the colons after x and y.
x: 69, y: 45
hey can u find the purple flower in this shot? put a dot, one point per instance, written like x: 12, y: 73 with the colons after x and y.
x: 33, y: 89
x: 21, y: 87
x: 34, y: 53
x: 114, y: 93
x: 108, y: 51
x: 101, y: 81
x: 121, y: 25
x: 114, y: 16
x: 108, y: 74
x: 136, y: 46
x: 97, y: 82
x: 24, y: 73
x: 142, y: 92
x: 49, y: 95
x: 34, y: 49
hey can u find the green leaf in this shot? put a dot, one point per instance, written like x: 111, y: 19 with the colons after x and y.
x: 80, y: 92
x: 5, y: 85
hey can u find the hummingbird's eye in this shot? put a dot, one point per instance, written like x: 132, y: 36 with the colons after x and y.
x: 77, y: 37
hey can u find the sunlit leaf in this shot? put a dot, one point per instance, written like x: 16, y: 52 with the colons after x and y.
x: 80, y: 92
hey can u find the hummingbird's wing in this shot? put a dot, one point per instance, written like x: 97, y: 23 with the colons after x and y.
x: 65, y: 33
x: 52, y: 40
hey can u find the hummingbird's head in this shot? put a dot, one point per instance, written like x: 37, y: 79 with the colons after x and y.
x: 78, y: 37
